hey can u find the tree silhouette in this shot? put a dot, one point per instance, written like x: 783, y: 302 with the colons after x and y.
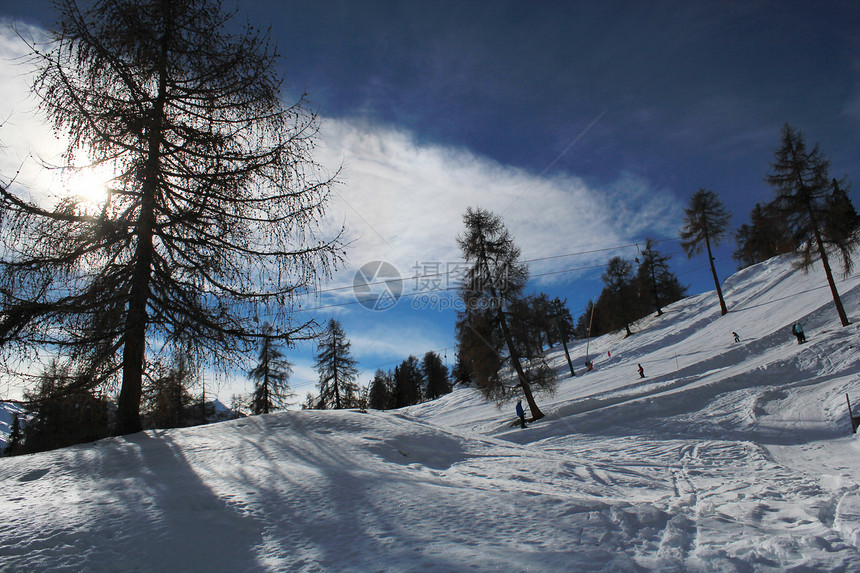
x: 618, y: 278
x: 337, y: 386
x: 705, y: 223
x: 492, y: 284
x: 801, y: 182
x: 435, y: 376
x: 764, y: 237
x: 657, y: 285
x: 271, y: 377
x: 212, y: 216
x: 408, y: 380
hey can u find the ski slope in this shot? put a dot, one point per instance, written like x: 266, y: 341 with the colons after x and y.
x: 725, y: 457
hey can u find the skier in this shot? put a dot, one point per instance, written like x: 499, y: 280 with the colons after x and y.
x: 737, y: 338
x: 521, y: 414
x: 797, y: 331
x: 641, y: 371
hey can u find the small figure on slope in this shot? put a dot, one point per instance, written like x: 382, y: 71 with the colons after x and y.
x: 641, y: 371
x: 797, y: 331
x: 521, y: 414
x: 737, y: 338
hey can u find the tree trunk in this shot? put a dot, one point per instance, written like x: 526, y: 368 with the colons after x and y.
x: 843, y: 318
x: 723, y: 308
x: 515, y: 360
x: 134, y: 348
x: 654, y: 286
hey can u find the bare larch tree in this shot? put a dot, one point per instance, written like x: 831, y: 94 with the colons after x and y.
x: 214, y: 215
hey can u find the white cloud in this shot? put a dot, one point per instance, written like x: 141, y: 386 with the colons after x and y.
x: 403, y: 202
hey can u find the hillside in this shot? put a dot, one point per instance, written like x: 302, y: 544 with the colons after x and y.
x: 726, y: 457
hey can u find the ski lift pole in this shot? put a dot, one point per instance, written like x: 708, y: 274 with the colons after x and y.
x: 588, y: 336
x: 564, y: 343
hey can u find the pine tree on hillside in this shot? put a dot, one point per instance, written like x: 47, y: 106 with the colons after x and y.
x: 618, y: 279
x: 13, y: 440
x: 166, y: 398
x: 337, y: 369
x: 460, y: 373
x: 764, y: 237
x: 585, y: 322
x: 214, y: 212
x: 435, y: 376
x: 63, y: 411
x: 657, y: 285
x: 380, y: 390
x: 560, y: 323
x: 408, y: 381
x: 271, y: 377
x: 705, y: 223
x: 802, y: 183
x: 493, y: 284
x: 841, y: 224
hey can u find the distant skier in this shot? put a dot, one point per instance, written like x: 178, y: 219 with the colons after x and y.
x: 641, y: 371
x: 797, y: 331
x: 609, y: 354
x: 521, y: 414
x: 737, y: 338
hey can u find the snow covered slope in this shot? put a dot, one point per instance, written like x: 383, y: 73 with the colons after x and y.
x: 726, y: 457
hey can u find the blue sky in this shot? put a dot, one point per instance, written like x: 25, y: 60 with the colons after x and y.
x: 585, y: 125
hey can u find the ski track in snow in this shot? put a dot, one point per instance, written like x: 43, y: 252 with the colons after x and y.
x: 726, y: 457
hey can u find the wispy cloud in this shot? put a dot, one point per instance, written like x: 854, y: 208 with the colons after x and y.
x: 403, y: 201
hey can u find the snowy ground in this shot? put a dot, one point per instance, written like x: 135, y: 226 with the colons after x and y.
x: 726, y: 457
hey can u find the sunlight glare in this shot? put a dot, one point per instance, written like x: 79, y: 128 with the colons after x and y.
x: 90, y: 184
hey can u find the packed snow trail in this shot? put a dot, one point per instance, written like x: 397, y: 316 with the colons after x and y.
x: 726, y: 457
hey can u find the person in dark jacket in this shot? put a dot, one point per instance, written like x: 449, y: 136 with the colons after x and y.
x: 797, y: 331
x: 521, y: 414
x: 737, y: 338
x: 641, y: 371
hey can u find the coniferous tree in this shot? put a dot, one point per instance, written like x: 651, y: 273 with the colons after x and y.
x: 841, y: 223
x: 63, y: 411
x: 618, y: 279
x: 379, y: 391
x: 560, y: 323
x: 585, y: 322
x: 168, y: 403
x: 13, y: 440
x: 337, y: 369
x: 435, y: 375
x: 271, y: 377
x: 213, y: 213
x: 312, y: 402
x: 657, y: 285
x: 705, y: 222
x: 459, y: 372
x: 408, y: 380
x: 801, y: 182
x: 764, y: 237
x: 493, y: 283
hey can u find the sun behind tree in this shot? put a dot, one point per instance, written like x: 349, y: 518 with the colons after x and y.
x: 214, y: 214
